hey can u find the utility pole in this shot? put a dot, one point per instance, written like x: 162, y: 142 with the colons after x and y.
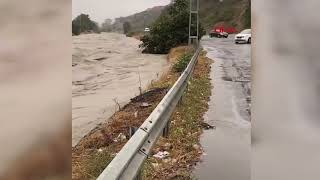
x: 194, y: 20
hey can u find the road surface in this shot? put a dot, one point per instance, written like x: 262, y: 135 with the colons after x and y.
x: 106, y: 71
x: 227, y: 148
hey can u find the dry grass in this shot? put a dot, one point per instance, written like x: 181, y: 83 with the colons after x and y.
x: 88, y: 162
x: 175, y: 53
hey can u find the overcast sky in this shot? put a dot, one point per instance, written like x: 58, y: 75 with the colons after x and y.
x: 99, y: 10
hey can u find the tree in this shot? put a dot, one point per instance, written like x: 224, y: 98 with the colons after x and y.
x: 106, y: 25
x: 170, y: 29
x: 126, y: 27
x: 83, y: 23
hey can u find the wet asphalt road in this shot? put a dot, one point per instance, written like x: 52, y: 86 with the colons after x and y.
x: 227, y: 148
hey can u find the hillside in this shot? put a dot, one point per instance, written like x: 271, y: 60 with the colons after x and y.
x: 138, y: 21
x: 236, y: 13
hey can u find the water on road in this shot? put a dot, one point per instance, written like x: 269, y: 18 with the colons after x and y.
x: 107, y: 70
x: 227, y: 148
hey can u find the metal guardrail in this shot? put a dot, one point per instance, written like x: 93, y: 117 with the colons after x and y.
x: 127, y: 163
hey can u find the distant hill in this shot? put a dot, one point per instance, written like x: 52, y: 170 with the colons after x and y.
x: 234, y: 13
x: 138, y: 21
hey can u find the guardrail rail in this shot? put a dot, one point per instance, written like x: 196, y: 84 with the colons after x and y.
x: 127, y: 163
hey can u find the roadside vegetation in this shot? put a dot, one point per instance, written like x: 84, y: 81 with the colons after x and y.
x: 182, y: 62
x: 96, y: 150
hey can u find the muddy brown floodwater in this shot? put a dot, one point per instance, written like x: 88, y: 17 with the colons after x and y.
x: 107, y: 69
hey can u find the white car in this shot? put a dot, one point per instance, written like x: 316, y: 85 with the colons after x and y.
x: 146, y: 29
x: 243, y: 37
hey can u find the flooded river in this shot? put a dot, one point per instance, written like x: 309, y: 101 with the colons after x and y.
x: 108, y: 69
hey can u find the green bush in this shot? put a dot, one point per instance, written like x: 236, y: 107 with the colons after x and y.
x: 171, y: 29
x: 182, y: 62
x: 83, y: 23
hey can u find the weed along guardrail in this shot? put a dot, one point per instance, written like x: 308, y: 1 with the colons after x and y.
x: 128, y: 162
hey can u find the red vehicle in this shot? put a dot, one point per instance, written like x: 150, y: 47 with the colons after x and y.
x: 222, y: 31
x: 229, y: 30
x: 218, y: 33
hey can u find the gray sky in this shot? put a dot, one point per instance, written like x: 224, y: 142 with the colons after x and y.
x: 99, y: 10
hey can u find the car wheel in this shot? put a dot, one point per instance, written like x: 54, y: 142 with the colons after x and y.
x: 249, y: 41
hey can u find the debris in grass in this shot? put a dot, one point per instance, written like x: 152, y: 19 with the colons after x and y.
x: 120, y: 138
x: 145, y: 104
x: 136, y: 114
x: 162, y: 154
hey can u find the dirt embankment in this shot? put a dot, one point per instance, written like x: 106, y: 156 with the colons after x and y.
x: 96, y: 150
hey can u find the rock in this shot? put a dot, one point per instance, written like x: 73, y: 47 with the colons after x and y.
x: 207, y: 126
x: 196, y: 147
x: 100, y: 150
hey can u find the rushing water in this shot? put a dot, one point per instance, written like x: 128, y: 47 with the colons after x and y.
x: 108, y: 69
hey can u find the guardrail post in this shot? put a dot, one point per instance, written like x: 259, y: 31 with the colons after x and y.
x: 165, y: 132
x: 132, y: 130
x: 180, y: 100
